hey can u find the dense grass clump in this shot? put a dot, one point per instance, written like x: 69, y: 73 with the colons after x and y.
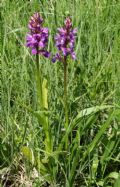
x: 37, y: 148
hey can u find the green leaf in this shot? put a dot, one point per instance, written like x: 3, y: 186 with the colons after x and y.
x: 43, y: 121
x: 28, y: 153
x: 113, y: 175
x: 45, y: 94
x: 100, y: 183
x: 117, y: 182
x: 95, y: 165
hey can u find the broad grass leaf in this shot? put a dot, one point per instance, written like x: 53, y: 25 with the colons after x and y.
x: 91, y: 110
x: 108, y: 150
x: 74, y: 166
x: 81, y: 114
x: 99, y: 134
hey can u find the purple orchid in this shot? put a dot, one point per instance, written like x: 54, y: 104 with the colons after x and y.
x: 65, y: 41
x: 37, y: 39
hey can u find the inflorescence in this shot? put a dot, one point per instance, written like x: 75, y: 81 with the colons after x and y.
x: 37, y: 38
x: 65, y: 41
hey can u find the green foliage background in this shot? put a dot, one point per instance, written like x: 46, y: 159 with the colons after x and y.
x: 93, y: 157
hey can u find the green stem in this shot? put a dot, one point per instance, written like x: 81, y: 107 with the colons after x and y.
x: 39, y: 82
x: 65, y: 93
x: 40, y: 103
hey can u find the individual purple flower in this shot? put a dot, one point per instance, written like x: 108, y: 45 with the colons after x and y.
x: 37, y: 38
x: 65, y: 41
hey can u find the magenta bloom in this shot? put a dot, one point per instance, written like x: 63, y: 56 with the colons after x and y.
x: 65, y: 41
x: 37, y: 38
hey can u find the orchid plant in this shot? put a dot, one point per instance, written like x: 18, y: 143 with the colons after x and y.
x: 65, y: 43
x: 37, y: 40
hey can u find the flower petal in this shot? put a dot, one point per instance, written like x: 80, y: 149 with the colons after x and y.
x: 34, y: 51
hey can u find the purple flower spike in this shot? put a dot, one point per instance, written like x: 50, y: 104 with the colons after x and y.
x: 37, y: 38
x: 65, y: 41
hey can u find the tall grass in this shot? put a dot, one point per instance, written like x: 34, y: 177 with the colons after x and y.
x: 92, y: 157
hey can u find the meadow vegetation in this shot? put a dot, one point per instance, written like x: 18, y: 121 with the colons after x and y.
x: 36, y: 148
